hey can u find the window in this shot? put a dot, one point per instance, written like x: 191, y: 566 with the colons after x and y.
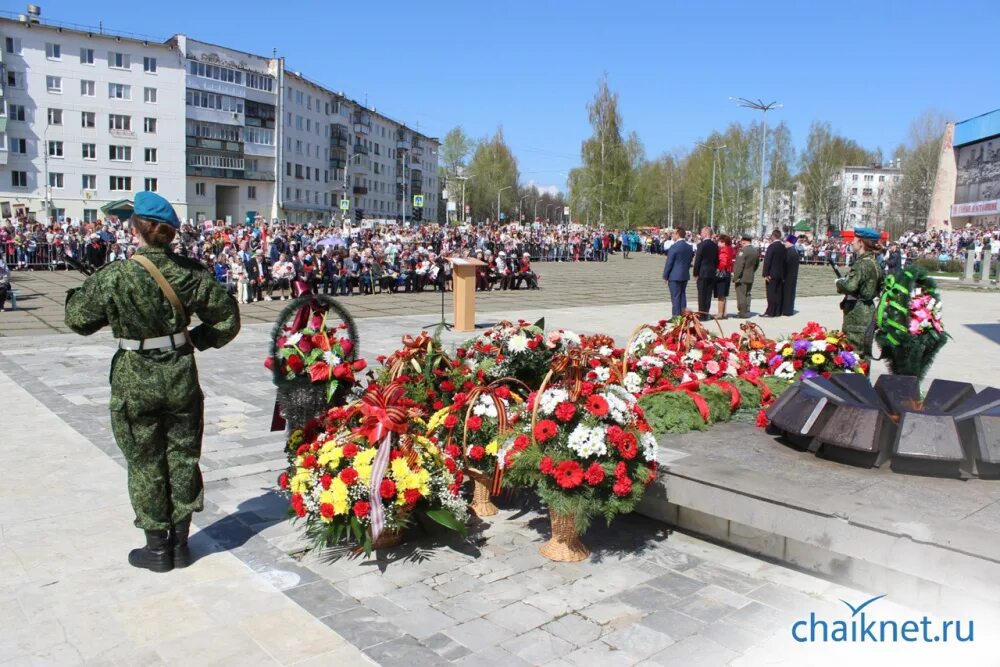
x: 55, y: 116
x: 854, y: 191
x: 53, y: 84
x: 13, y: 79
x: 55, y: 149
x: 89, y: 151
x: 119, y: 91
x: 260, y: 82
x: 120, y: 153
x: 53, y: 51
x: 118, y: 60
x: 120, y: 183
x: 298, y: 171
x: 86, y: 56
x: 869, y: 178
x: 13, y: 45
x: 15, y: 112
x: 17, y: 145
x: 150, y: 155
x: 90, y: 215
x: 251, y: 192
x: 288, y: 169
x: 19, y: 179
x: 87, y: 88
x: 149, y: 185
x: 881, y: 178
x: 854, y: 177
x: 149, y: 125
x: 215, y: 72
x: 148, y: 64
x: 88, y: 119
x: 199, y: 189
x: 55, y: 180
x: 89, y: 182
x: 119, y: 122
x: 149, y: 95
x: 256, y: 135
x: 198, y: 98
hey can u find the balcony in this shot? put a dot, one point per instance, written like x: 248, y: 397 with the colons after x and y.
x: 3, y: 156
x: 362, y: 122
x: 360, y: 149
x: 122, y: 134
x: 360, y: 190
x: 259, y: 175
x: 403, y: 141
x: 361, y: 165
x: 258, y: 150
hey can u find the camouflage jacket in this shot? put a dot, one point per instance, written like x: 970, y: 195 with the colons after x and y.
x: 125, y: 296
x: 863, y: 282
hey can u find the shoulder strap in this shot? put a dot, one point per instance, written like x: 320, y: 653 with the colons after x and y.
x: 165, y: 287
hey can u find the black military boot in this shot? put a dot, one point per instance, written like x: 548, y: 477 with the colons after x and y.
x: 157, y: 555
x: 182, y: 555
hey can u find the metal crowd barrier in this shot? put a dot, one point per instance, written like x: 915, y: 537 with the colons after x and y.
x: 48, y: 256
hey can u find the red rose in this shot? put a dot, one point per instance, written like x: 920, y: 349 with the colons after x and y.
x: 502, y: 393
x: 568, y: 474
x: 545, y: 430
x: 623, y: 487
x: 476, y: 453
x: 594, y: 474
x: 359, y: 365
x: 565, y: 411
x: 453, y: 451
x: 295, y: 364
x: 546, y: 465
x: 521, y: 443
x: 326, y: 480
x: 475, y: 423
x: 460, y: 353
x: 361, y: 509
x: 269, y: 363
x: 283, y: 480
x: 387, y: 489
x: 411, y: 496
x: 341, y: 370
x: 447, y: 385
x: 532, y: 344
x: 451, y: 421
x: 306, y: 344
x: 326, y: 510
x: 597, y: 405
x: 348, y: 476
x: 350, y: 450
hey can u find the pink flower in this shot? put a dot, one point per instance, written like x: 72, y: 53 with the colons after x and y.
x: 712, y: 367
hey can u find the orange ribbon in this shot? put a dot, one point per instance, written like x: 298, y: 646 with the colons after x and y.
x: 381, y: 411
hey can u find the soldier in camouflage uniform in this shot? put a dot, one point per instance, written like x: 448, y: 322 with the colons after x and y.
x: 860, y: 286
x: 156, y: 401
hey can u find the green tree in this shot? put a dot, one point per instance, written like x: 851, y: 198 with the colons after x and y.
x: 455, y: 150
x: 493, y: 170
x: 910, y: 200
x: 826, y: 154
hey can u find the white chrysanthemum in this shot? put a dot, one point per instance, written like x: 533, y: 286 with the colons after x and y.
x: 570, y: 337
x: 632, y: 382
x: 818, y: 346
x: 485, y: 407
x: 293, y: 339
x: 330, y: 358
x: 602, y: 373
x: 649, y: 446
x: 605, y: 351
x: 660, y: 350
x: 618, y: 410
x: 758, y: 358
x: 587, y: 442
x: 693, y: 355
x: 518, y: 343
x: 550, y: 399
x: 647, y: 361
x: 644, y: 338
x: 785, y: 371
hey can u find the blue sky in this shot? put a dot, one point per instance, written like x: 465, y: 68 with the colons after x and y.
x: 867, y: 67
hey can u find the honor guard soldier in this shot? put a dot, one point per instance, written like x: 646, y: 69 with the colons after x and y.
x: 157, y: 407
x: 860, y: 287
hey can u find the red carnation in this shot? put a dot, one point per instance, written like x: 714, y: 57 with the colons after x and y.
x: 468, y: 386
x: 475, y: 423
x: 438, y: 405
x: 460, y: 353
x: 303, y: 449
x: 309, y: 460
x: 326, y: 509
x: 387, y: 489
x: 594, y: 474
x: 586, y: 388
x: 447, y: 385
x: 359, y: 365
x: 298, y: 505
x: 616, y: 435
x: 533, y: 344
x: 411, y: 496
x: 620, y: 470
x: 545, y: 430
x: 546, y: 465
x: 565, y: 411
x: 451, y: 421
x: 361, y: 509
x: 521, y: 443
x: 450, y: 464
x: 350, y: 450
x: 458, y: 400
x: 269, y: 363
x: 502, y: 393
x: 568, y: 474
x: 295, y: 364
x: 348, y: 476
x: 283, y: 480
x: 597, y: 405
x: 623, y: 487
x: 453, y: 451
x: 628, y: 448
x: 326, y: 480
x: 476, y: 453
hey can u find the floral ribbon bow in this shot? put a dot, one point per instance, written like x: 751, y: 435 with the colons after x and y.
x: 575, y: 363
x: 381, y: 412
x: 502, y: 420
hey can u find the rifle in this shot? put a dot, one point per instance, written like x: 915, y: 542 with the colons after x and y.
x: 77, y: 265
x: 829, y: 259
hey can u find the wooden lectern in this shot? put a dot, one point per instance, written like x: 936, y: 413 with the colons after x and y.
x: 464, y: 281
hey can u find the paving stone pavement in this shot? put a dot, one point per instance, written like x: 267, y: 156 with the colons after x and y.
x: 646, y: 596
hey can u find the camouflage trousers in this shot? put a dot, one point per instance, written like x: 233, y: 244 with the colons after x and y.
x: 157, y: 417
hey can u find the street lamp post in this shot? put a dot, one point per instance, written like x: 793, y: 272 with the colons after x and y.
x: 715, y: 156
x: 763, y: 107
x: 534, y: 215
x: 507, y: 187
x: 519, y: 207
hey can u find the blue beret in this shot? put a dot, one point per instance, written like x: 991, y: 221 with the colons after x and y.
x: 792, y: 238
x: 152, y: 206
x: 867, y: 233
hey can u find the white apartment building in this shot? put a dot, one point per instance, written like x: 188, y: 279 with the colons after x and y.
x: 308, y: 193
x: 87, y: 118
x: 231, y: 103
x: 865, y: 193
x: 781, y: 209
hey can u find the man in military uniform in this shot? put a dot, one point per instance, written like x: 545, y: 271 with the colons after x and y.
x: 744, y: 270
x: 860, y: 287
x: 156, y: 401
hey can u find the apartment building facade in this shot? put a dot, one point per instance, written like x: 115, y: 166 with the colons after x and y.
x: 866, y: 193
x: 88, y: 119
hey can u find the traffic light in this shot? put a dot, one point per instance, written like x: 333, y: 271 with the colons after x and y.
x: 359, y: 214
x: 418, y: 214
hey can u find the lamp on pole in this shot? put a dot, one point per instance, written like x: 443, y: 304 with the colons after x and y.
x: 519, y: 207
x: 548, y: 216
x: 715, y: 148
x: 463, y: 179
x: 763, y: 107
x: 507, y: 187
x: 534, y: 215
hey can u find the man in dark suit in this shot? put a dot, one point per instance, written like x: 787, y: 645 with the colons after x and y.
x: 774, y: 273
x: 747, y: 261
x: 258, y: 275
x: 791, y: 279
x: 676, y: 271
x: 706, y: 265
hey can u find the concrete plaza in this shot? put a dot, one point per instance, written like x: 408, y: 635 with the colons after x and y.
x: 647, y: 596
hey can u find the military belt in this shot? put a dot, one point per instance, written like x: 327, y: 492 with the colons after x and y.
x: 173, y: 341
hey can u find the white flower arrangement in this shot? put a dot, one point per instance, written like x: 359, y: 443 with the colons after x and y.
x: 588, y: 441
x: 548, y: 401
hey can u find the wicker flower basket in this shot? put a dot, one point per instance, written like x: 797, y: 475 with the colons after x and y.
x: 481, y: 503
x: 565, y: 545
x: 388, y: 539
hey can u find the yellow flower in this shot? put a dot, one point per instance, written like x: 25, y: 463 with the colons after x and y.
x: 339, y: 492
x: 818, y: 359
x: 330, y: 455
x: 300, y: 483
x: 493, y: 448
x: 436, y: 419
x: 787, y: 352
x: 832, y: 340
